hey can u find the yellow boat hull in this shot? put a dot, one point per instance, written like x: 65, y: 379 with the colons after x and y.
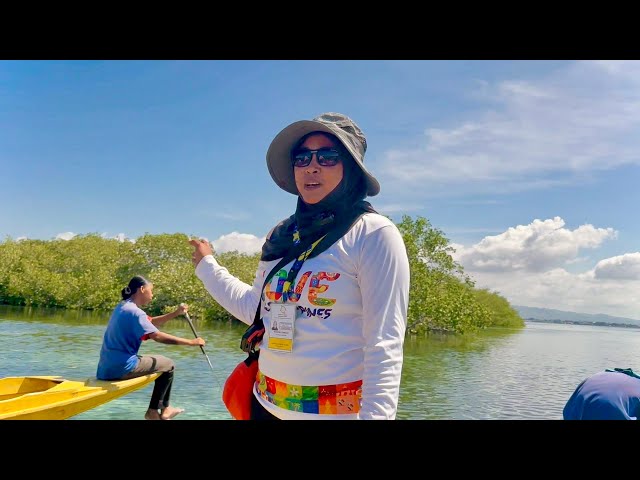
x: 57, y: 398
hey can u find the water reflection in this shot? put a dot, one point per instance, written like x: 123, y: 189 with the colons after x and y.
x: 499, y: 374
x: 53, y: 315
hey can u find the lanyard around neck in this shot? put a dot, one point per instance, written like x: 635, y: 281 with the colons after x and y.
x: 287, y: 283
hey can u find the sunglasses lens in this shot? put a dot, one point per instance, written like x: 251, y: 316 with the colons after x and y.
x: 301, y: 159
x: 326, y: 157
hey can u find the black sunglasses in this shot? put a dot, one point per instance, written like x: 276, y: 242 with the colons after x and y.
x: 327, y: 157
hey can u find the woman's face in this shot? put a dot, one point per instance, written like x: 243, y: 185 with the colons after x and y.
x: 146, y: 293
x: 314, y: 182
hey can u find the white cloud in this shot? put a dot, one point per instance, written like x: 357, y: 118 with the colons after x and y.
x: 241, y: 242
x: 622, y: 267
x: 535, y: 247
x: 525, y: 265
x: 551, y: 132
x: 561, y: 290
x: 122, y: 237
x: 65, y: 236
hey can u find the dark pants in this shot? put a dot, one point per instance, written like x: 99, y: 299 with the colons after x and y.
x: 258, y: 412
x: 162, y: 385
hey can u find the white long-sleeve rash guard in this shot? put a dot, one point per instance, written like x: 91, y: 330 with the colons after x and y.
x: 354, y: 329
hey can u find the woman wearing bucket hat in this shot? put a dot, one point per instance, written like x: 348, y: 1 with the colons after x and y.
x: 335, y: 278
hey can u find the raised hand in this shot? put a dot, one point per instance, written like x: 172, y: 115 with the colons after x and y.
x: 202, y: 248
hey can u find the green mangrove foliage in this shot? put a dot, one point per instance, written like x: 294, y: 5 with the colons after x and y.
x: 501, y: 312
x: 89, y: 271
x: 442, y: 297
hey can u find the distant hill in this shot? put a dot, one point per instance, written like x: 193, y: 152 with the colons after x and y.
x: 560, y: 316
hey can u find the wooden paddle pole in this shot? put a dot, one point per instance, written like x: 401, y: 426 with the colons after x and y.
x: 196, y: 335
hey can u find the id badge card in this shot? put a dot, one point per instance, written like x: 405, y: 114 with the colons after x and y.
x: 283, y: 316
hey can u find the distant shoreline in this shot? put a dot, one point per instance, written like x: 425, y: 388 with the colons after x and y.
x: 595, y: 324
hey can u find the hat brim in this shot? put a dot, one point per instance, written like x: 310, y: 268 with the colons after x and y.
x: 279, y: 155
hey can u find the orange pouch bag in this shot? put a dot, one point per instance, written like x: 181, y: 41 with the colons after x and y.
x: 238, y: 388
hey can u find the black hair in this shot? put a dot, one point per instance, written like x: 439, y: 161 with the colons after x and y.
x: 134, y: 284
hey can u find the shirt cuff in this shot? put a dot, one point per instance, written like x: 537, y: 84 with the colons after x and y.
x: 205, y: 264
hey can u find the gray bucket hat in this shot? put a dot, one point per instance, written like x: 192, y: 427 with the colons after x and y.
x: 345, y: 129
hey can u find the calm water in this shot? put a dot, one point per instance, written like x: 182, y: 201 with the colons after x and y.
x: 502, y: 374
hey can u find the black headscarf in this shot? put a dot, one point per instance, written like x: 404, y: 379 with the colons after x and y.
x: 334, y: 215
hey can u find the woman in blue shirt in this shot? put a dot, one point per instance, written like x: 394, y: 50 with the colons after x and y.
x: 128, y: 326
x: 608, y: 395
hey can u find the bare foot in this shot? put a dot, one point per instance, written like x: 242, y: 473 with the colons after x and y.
x: 152, y: 415
x: 170, y: 412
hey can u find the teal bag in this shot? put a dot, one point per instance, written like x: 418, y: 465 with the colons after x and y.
x: 626, y: 371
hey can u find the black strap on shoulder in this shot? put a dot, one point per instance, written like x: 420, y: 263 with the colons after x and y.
x: 253, y: 334
x: 283, y: 261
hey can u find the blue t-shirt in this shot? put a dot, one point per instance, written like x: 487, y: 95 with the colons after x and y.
x: 122, y: 339
x: 605, y: 396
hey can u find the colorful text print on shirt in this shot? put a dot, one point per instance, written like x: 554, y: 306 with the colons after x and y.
x: 323, y: 313
x: 281, y: 276
x: 315, y: 288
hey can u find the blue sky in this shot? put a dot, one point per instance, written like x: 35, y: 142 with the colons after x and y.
x: 530, y: 168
